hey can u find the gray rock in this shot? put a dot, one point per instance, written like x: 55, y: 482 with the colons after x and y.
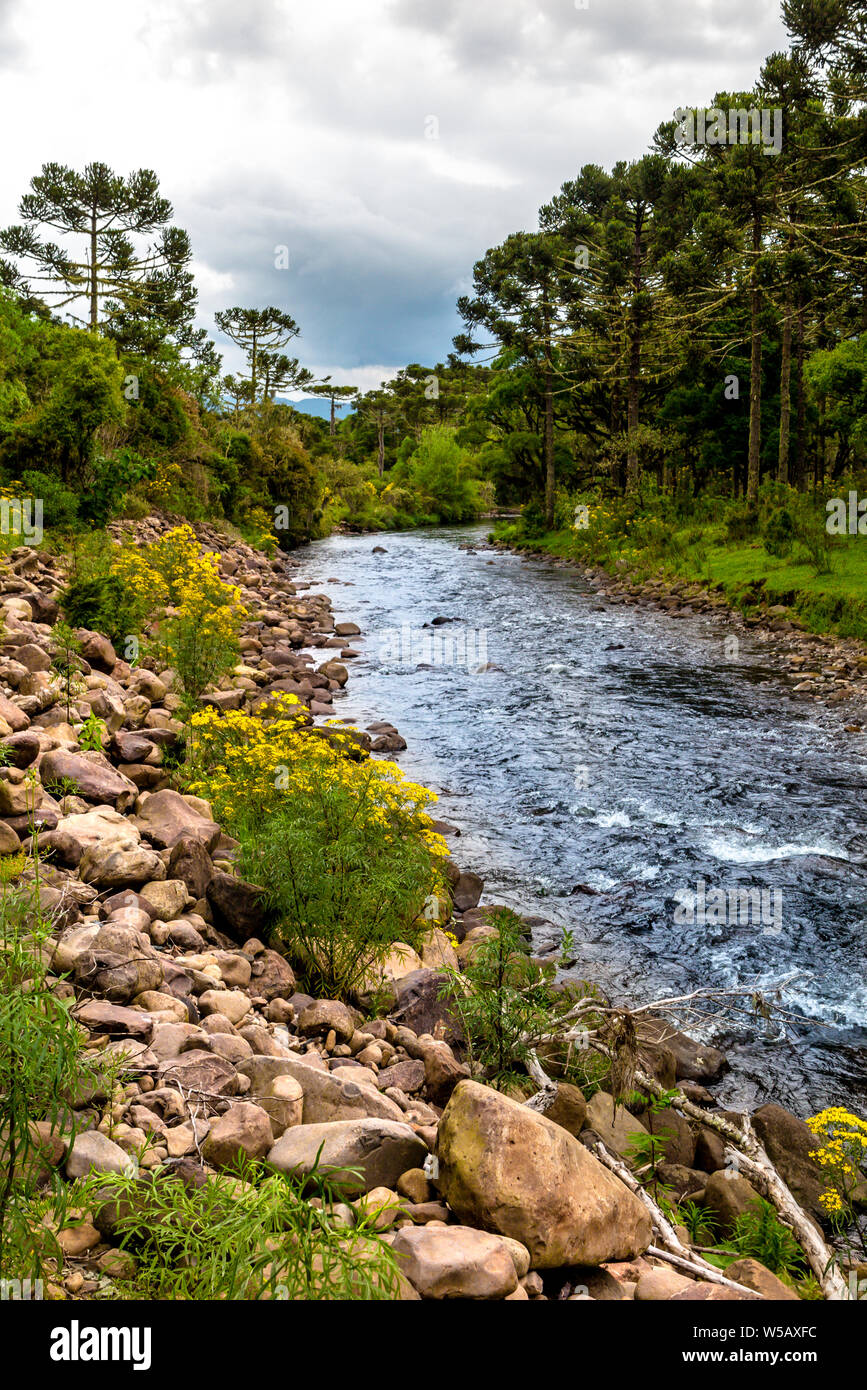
x: 93, y: 1152
x: 380, y: 1149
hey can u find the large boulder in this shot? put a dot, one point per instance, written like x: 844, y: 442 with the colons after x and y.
x: 165, y: 817
x: 200, y: 1071
x: 191, y: 862
x: 381, y: 1150
x: 169, y: 897
x: 13, y: 715
x: 118, y: 979
x: 336, y: 1095
x: 729, y: 1196
x: 102, y: 826
x: 614, y: 1124
x: 97, y: 650
x: 508, y: 1169
x: 331, y: 1096
x: 455, y: 1262
x: 568, y: 1108
x: 418, y: 1006
x: 273, y: 976
x: 91, y: 775
x: 93, y: 1152
x: 107, y: 866
x: 693, y: 1061
x: 325, y: 1016
x: 101, y: 1017
x: 755, y: 1276
x: 466, y: 891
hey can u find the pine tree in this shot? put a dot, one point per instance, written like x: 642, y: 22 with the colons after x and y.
x: 257, y: 331
x: 110, y: 271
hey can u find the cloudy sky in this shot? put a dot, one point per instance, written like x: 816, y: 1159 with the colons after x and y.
x: 386, y: 143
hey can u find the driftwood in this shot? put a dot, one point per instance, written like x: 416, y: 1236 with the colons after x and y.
x: 676, y: 1252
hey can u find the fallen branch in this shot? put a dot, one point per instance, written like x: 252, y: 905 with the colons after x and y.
x: 678, y: 1252
x: 753, y: 1162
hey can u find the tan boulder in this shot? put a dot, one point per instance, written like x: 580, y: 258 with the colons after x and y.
x: 360, y: 1154
x: 92, y: 776
x: 568, y: 1109
x: 107, y: 866
x: 614, y: 1125
x: 455, y: 1262
x: 658, y: 1285
x: 169, y: 897
x: 233, y: 1004
x: 510, y: 1170
x: 755, y: 1276
x: 102, y: 826
x: 165, y: 816
x: 243, y: 1131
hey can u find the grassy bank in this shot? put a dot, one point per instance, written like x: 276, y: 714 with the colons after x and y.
x: 770, y: 558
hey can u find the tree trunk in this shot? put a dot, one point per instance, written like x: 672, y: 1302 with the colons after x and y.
x: 380, y: 440
x: 785, y: 395
x: 549, y: 447
x: 331, y: 430
x: 94, y: 282
x: 801, y: 407
x: 634, y: 369
x: 754, y: 461
x: 821, y: 446
x: 254, y: 360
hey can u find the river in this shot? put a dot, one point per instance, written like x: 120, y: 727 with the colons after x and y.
x: 635, y: 754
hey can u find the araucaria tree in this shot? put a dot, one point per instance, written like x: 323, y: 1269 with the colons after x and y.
x: 100, y: 260
x: 258, y: 332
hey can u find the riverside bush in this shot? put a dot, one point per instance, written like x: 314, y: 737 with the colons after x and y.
x: 42, y: 1064
x: 505, y: 1002
x: 202, y: 614
x: 257, y: 1235
x: 842, y: 1155
x: 341, y: 843
x: 759, y: 1233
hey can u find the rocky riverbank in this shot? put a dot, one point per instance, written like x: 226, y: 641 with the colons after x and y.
x: 164, y: 952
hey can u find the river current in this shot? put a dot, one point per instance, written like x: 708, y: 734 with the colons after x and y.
x: 621, y: 750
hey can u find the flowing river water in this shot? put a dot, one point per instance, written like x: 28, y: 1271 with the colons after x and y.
x: 629, y: 752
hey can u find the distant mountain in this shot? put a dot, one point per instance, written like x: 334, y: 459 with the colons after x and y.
x: 315, y: 405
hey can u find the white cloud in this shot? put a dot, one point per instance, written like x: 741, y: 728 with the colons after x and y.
x: 272, y: 122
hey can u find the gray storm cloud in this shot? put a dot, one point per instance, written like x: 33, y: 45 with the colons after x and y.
x: 272, y: 124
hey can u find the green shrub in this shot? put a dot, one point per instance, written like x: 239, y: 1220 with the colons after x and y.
x: 760, y: 1233
x: 779, y: 533
x: 103, y: 603
x: 60, y: 504
x: 42, y: 1064
x: 345, y: 874
x: 742, y: 523
x: 261, y: 1237
x: 505, y: 1002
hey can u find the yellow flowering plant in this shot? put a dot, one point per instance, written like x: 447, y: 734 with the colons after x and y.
x: 842, y: 1155
x: 341, y: 843
x: 202, y: 614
